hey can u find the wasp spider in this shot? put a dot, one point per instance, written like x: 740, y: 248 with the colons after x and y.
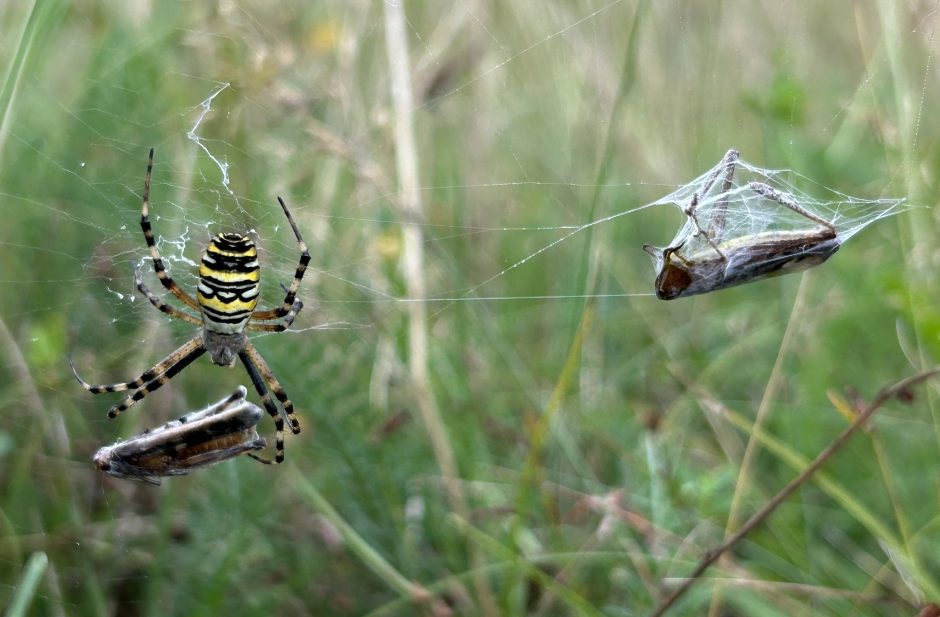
x: 226, y: 297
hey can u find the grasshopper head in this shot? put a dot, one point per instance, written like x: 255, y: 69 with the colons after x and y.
x: 673, y: 277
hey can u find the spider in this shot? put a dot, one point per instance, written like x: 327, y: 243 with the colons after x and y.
x: 229, y: 279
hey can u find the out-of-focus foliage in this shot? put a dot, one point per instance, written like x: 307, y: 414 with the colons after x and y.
x: 580, y: 410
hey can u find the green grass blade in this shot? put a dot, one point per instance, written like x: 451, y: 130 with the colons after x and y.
x: 32, y: 574
x: 41, y: 20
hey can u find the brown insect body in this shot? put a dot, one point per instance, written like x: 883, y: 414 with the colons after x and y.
x: 740, y: 260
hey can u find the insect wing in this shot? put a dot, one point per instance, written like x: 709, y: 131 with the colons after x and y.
x: 776, y: 257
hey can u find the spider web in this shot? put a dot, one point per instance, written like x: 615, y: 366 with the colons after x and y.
x: 732, y: 210
x: 514, y: 230
x: 194, y: 198
x: 497, y: 251
x: 742, y: 212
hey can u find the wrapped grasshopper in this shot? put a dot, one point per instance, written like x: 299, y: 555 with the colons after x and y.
x: 222, y: 431
x: 736, y: 232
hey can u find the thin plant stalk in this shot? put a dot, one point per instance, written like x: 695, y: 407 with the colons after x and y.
x: 369, y: 556
x: 760, y: 419
x: 577, y: 603
x: 406, y: 157
x: 42, y: 19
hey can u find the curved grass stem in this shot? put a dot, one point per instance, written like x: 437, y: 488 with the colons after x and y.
x: 711, y: 556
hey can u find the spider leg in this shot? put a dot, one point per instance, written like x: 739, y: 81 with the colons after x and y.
x: 151, y: 379
x: 252, y: 354
x: 150, y: 374
x: 165, y: 279
x: 155, y: 384
x: 288, y: 305
x: 259, y: 383
x: 785, y: 200
x: 284, y: 324
x: 160, y: 304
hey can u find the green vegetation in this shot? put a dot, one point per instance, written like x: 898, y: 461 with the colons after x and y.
x: 578, y: 445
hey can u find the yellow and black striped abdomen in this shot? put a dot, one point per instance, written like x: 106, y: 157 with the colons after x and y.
x: 228, y: 283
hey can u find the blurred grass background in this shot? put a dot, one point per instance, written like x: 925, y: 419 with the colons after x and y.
x: 590, y: 460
